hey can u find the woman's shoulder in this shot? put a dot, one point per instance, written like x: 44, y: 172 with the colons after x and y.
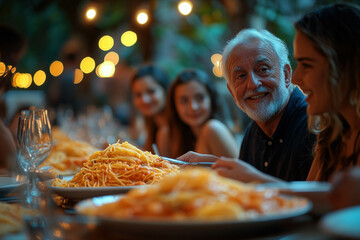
x: 213, y: 127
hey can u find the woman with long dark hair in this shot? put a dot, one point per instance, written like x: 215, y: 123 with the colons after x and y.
x: 194, y: 117
x: 149, y: 87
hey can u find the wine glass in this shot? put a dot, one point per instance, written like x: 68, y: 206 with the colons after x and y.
x: 34, y: 144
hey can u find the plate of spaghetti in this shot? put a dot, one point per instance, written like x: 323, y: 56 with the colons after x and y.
x: 68, y: 156
x: 194, y: 202
x: 117, y: 169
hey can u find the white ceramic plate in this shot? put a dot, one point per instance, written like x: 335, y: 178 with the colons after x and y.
x: 193, y: 229
x: 344, y: 223
x: 8, y: 184
x: 80, y: 193
x: 316, y: 192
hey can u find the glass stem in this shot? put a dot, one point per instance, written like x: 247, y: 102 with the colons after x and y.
x: 33, y: 194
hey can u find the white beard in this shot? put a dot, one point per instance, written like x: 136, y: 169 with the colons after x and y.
x: 269, y: 108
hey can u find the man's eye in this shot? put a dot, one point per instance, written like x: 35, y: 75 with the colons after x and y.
x: 263, y: 69
x: 241, y: 76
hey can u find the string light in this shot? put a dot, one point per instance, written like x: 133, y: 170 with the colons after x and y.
x: 128, y: 38
x: 106, y: 43
x: 91, y: 13
x: 39, y: 78
x: 142, y: 17
x: 56, y: 68
x: 87, y: 65
x: 106, y: 69
x: 185, y: 7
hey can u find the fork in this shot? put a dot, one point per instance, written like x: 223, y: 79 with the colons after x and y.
x: 176, y: 161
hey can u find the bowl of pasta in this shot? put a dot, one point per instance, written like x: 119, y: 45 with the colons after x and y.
x: 195, y: 202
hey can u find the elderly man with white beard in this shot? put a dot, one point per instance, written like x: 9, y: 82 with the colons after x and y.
x: 277, y: 142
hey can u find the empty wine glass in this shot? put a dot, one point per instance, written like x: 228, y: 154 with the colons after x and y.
x: 34, y: 144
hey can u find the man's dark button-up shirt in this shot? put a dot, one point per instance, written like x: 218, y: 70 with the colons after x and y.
x: 288, y: 153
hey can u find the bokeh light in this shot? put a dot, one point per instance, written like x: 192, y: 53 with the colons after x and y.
x: 106, y: 69
x: 128, y: 38
x: 39, y: 77
x: 106, y: 43
x: 22, y: 80
x: 217, y: 71
x: 78, y: 76
x: 2, y: 68
x: 185, y: 7
x: 91, y: 13
x: 142, y: 17
x: 87, y: 65
x: 56, y: 68
x: 216, y: 60
x: 112, y: 57
x: 14, y: 84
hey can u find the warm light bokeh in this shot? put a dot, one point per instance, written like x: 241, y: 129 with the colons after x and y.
x: 39, y: 77
x: 128, y: 38
x: 78, y: 76
x: 106, y: 69
x: 56, y: 68
x: 142, y: 17
x: 106, y: 43
x: 2, y: 68
x: 22, y: 80
x: 112, y: 57
x: 91, y: 13
x: 185, y: 7
x: 87, y: 65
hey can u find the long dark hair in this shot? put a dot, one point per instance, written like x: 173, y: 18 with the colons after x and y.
x: 335, y: 33
x: 160, y: 77
x: 181, y: 134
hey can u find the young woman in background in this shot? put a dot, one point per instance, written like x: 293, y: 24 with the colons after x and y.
x: 149, y: 86
x: 192, y: 109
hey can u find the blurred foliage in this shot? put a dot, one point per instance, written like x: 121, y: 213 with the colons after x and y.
x: 171, y: 40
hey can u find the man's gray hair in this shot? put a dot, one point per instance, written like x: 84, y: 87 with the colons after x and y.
x: 249, y: 34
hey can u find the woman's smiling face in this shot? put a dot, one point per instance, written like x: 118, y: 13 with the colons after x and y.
x: 311, y: 74
x: 149, y: 97
x: 193, y: 103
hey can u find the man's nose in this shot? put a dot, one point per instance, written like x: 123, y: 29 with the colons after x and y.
x: 254, y: 81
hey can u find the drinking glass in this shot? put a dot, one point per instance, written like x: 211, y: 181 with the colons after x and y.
x: 34, y: 144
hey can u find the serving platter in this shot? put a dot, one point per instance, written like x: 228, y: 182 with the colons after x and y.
x: 80, y: 193
x: 171, y: 229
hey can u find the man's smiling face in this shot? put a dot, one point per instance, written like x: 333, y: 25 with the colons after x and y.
x: 256, y: 80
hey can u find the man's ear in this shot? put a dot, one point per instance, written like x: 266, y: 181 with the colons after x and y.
x: 287, y: 74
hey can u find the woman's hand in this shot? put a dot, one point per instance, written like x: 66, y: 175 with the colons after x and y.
x: 345, y: 191
x: 197, y: 157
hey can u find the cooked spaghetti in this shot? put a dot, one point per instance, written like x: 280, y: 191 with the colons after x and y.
x: 120, y: 165
x: 68, y: 156
x: 11, y: 218
x: 196, y: 194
